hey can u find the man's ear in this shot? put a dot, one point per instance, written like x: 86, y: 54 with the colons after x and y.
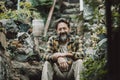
x: 56, y: 31
x: 69, y: 29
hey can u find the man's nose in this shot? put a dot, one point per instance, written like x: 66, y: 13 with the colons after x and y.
x: 62, y: 30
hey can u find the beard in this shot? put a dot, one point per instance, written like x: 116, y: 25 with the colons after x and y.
x: 63, y: 37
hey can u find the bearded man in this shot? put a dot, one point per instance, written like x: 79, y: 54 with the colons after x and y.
x: 63, y: 55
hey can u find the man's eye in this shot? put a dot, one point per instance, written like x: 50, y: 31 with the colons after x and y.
x: 60, y: 29
x: 64, y: 28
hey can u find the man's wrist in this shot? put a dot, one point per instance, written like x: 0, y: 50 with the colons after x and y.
x: 69, y: 55
x: 51, y: 58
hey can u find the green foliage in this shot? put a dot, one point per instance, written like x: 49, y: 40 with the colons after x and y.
x: 93, y: 3
x: 116, y: 16
x: 43, y: 6
x: 23, y: 14
x: 94, y: 69
x: 46, y: 2
x: 95, y: 66
x: 42, y: 2
x: 2, y: 7
x: 25, y: 5
x: 16, y: 15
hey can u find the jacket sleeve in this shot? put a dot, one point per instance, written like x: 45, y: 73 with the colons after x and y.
x: 49, y: 50
x: 78, y: 50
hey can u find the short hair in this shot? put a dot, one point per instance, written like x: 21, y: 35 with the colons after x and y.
x: 62, y: 20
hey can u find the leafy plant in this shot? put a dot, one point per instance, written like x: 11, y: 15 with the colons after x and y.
x: 94, y: 69
x: 116, y: 16
x: 95, y: 66
x: 25, y: 5
x: 23, y: 14
x: 36, y: 3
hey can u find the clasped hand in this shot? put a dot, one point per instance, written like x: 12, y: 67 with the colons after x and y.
x: 61, y: 60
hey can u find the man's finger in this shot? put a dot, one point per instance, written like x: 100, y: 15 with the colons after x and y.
x: 66, y: 66
x: 61, y: 66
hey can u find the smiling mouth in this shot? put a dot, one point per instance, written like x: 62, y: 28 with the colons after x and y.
x: 63, y: 37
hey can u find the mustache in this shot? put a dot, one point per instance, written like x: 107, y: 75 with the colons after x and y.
x: 64, y: 33
x: 63, y: 36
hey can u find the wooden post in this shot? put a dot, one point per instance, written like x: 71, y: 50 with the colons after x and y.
x: 81, y: 5
x: 18, y: 5
x: 49, y: 18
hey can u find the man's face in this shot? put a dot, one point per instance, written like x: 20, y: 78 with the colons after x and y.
x: 63, y: 31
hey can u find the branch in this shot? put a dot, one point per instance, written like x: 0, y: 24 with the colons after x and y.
x: 49, y: 18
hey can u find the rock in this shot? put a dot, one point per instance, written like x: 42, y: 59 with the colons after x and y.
x: 5, y: 67
x: 26, y: 71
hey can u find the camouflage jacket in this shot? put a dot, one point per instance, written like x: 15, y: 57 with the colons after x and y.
x: 74, y: 47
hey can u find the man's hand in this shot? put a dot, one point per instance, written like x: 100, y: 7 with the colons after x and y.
x: 63, y: 63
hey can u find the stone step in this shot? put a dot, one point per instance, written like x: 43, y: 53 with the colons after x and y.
x: 72, y: 1
x: 71, y: 5
x: 71, y: 11
x: 69, y: 15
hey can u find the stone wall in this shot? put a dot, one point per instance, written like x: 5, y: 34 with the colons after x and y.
x: 70, y: 11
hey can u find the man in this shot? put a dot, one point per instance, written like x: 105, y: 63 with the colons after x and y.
x: 64, y: 55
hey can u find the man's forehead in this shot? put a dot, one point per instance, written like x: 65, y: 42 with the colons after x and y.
x: 62, y: 23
